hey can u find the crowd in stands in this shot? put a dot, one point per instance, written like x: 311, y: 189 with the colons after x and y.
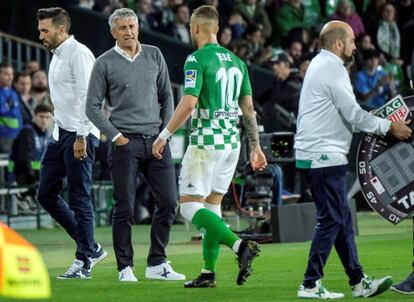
x: 279, y: 35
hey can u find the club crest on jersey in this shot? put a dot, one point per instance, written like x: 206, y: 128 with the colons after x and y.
x: 190, y: 78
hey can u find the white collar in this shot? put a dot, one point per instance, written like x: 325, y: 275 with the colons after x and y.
x: 124, y: 54
x: 58, y: 50
x: 331, y: 54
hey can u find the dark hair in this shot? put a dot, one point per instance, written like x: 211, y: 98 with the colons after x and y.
x: 207, y: 12
x: 368, y: 54
x: 41, y: 108
x: 5, y: 65
x: 21, y: 75
x: 252, y: 28
x: 177, y: 7
x: 58, y: 15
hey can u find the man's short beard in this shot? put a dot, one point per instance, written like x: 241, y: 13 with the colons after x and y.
x: 349, y: 61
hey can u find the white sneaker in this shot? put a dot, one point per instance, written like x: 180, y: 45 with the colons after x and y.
x: 318, y: 292
x: 369, y: 287
x: 127, y: 275
x: 164, y: 271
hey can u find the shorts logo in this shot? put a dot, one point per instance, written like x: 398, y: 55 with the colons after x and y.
x: 190, y: 78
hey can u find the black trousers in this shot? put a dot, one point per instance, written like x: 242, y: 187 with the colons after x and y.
x: 334, y: 224
x: 125, y: 162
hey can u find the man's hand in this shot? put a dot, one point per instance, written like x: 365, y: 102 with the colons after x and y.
x: 79, y: 148
x: 257, y: 159
x: 122, y: 140
x: 400, y: 129
x: 158, y: 147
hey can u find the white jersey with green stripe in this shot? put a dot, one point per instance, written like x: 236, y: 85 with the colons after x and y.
x: 218, y: 78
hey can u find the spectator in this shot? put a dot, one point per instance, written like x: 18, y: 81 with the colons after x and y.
x: 295, y: 52
x: 237, y: 25
x: 167, y: 15
x: 363, y: 43
x: 284, y: 91
x: 40, y: 86
x: 371, y: 17
x: 180, y: 27
x: 146, y: 18
x: 241, y: 49
x: 29, y: 145
x: 388, y: 34
x: 225, y: 37
x: 310, y: 44
x: 22, y: 85
x: 372, y: 85
x: 288, y: 17
x: 31, y: 66
x: 344, y: 12
x: 253, y: 12
x: 258, y: 54
x: 10, y: 114
x: 405, y: 9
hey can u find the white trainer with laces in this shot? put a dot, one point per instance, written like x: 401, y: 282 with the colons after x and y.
x: 318, y: 292
x: 164, y: 271
x: 369, y: 287
x: 127, y: 275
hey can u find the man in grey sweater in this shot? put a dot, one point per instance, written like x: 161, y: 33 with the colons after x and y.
x: 133, y: 78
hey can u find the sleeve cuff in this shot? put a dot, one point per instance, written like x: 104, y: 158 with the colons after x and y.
x: 116, y: 137
x: 385, y: 126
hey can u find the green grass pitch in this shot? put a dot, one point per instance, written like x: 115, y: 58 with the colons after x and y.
x: 383, y: 249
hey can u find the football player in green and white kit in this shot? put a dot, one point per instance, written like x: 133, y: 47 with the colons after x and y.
x: 216, y: 83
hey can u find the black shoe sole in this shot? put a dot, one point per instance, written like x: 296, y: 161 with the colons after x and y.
x: 247, y: 271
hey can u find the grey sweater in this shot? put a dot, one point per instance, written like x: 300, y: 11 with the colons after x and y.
x: 138, y: 93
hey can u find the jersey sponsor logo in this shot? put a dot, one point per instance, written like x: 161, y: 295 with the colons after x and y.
x: 225, y: 114
x: 191, y: 58
x: 190, y: 78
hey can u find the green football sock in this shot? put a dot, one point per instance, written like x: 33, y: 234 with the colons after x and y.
x: 215, y: 232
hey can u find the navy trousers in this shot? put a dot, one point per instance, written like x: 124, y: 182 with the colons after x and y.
x: 334, y: 224
x: 125, y: 162
x: 75, y: 216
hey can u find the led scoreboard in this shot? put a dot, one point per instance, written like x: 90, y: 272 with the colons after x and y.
x: 385, y: 165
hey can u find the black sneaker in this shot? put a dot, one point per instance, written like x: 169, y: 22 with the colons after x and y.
x: 406, y: 286
x: 247, y: 252
x: 98, y: 255
x: 204, y: 280
x: 76, y: 271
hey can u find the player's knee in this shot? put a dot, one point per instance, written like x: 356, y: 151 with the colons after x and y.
x: 188, y: 209
x: 215, y: 208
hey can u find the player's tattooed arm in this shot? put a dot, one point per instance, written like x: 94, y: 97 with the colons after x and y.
x: 249, y: 119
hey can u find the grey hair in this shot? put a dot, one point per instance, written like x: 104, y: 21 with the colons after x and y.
x: 121, y: 13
